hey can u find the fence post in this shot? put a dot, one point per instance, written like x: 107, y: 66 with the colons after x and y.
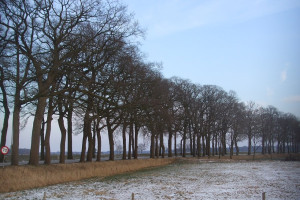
x: 132, y: 196
x: 264, y: 196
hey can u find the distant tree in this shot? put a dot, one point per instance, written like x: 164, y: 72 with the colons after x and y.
x: 251, y: 122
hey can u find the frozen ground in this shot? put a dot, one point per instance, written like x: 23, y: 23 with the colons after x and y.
x: 185, y: 180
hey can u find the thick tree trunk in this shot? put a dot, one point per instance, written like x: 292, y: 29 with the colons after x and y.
x: 36, y: 129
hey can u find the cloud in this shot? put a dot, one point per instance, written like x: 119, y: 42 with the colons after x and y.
x: 292, y: 99
x: 283, y: 75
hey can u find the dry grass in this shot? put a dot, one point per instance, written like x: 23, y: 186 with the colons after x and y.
x: 14, y: 178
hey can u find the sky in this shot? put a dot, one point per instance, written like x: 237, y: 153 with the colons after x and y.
x: 249, y: 46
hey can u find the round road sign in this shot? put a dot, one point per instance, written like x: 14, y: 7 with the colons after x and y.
x: 4, y: 150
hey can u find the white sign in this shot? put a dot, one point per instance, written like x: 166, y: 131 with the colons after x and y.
x: 4, y: 150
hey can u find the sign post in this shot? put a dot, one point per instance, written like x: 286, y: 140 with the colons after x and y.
x: 4, y: 151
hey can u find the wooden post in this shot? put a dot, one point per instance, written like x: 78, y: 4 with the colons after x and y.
x: 132, y: 196
x: 264, y: 196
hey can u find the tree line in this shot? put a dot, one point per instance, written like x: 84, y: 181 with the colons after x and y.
x: 78, y: 62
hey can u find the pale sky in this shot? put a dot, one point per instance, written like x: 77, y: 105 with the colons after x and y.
x: 250, y: 47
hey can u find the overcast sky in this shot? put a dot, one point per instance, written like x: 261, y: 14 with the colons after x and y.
x: 250, y: 47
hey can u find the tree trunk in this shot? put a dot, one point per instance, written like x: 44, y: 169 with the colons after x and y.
x: 231, y: 147
x: 203, y: 146
x: 70, y: 130
x: 263, y: 144
x: 216, y: 145
x: 6, y: 114
x: 161, y: 145
x: 130, y: 140
x: 94, y: 139
x: 184, y: 141
x: 90, y: 142
x: 194, y: 144
x: 170, y: 143
x: 48, y: 132
x: 111, y: 141
x: 83, y: 148
x: 191, y: 140
x: 224, y: 150
x: 99, y: 142
x: 208, y: 144
x: 16, y: 132
x: 152, y: 145
x: 236, y: 146
x: 86, y: 133
x: 63, y: 138
x: 43, y: 140
x: 36, y: 129
x: 249, y: 143
x: 136, y: 131
x: 213, y: 145
x: 175, y: 144
x: 156, y: 147
x: 199, y: 144
x: 124, y: 141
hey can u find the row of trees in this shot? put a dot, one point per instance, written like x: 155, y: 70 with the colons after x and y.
x: 79, y: 61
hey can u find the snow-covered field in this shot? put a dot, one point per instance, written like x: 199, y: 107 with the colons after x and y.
x: 184, y: 180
